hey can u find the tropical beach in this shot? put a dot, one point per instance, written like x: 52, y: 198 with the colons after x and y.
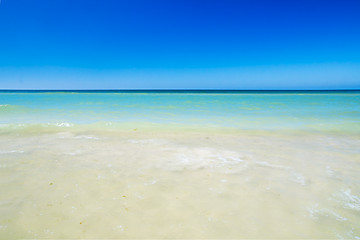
x: 191, y: 119
x: 234, y: 165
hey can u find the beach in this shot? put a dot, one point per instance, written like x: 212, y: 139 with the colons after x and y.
x: 180, y: 164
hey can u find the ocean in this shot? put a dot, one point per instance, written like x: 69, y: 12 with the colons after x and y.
x: 179, y: 164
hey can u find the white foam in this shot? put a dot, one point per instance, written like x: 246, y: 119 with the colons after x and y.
x: 11, y: 151
x: 298, y: 178
x: 86, y: 137
x: 236, y: 159
x: 63, y: 124
x: 119, y: 227
x: 142, y: 141
x: 206, y: 158
x: 147, y: 141
x: 315, y: 212
x: 348, y: 200
x: 338, y: 217
x: 266, y: 164
x: 73, y: 153
x: 351, y: 235
x: 329, y: 171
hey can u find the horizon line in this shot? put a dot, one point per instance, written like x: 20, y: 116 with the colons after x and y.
x: 181, y: 89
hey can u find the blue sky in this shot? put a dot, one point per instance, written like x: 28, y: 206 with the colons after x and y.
x: 240, y: 44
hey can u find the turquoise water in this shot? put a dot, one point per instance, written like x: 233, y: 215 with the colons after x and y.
x: 319, y: 111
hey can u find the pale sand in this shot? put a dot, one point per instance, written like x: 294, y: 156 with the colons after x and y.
x: 179, y: 185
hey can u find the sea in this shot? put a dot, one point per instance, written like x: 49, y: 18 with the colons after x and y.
x: 179, y: 164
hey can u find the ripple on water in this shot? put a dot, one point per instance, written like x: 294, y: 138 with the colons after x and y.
x: 315, y: 212
x: 69, y: 135
x: 270, y: 165
x: 347, y: 199
x: 91, y: 137
x: 207, y: 158
x: 74, y: 153
x: 61, y: 124
x: 298, y: 178
x: 10, y: 151
x: 329, y: 171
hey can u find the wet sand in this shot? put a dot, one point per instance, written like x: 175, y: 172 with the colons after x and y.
x: 179, y: 184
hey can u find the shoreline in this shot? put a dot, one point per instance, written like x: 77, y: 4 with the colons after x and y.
x: 180, y: 184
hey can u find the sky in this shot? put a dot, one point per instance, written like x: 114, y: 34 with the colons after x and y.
x: 179, y: 44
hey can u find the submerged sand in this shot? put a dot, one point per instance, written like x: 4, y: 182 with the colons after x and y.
x: 179, y: 184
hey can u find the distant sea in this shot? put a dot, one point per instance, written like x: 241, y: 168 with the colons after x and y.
x: 337, y: 111
x: 180, y: 164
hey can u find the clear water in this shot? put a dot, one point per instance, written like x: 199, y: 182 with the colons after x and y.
x: 337, y: 111
x: 180, y: 164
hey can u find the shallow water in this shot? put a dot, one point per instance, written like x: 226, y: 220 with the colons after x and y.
x: 62, y: 176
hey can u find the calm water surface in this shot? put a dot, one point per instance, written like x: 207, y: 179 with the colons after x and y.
x: 179, y: 165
